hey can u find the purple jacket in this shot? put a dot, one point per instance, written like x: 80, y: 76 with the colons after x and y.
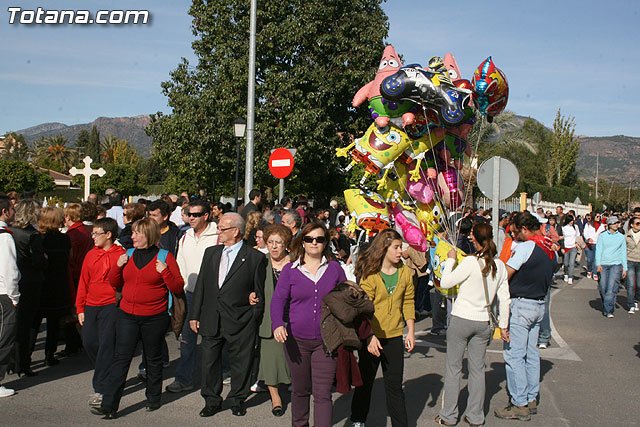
x: 305, y: 299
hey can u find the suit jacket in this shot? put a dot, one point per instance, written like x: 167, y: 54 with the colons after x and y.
x: 226, y: 309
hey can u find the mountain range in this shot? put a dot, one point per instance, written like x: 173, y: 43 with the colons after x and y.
x: 618, y: 158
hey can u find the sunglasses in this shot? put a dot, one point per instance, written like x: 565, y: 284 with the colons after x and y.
x: 319, y: 239
x: 196, y: 214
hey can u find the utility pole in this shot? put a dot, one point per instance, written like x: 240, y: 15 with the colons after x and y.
x: 597, y: 164
x: 251, y: 99
x: 629, y: 200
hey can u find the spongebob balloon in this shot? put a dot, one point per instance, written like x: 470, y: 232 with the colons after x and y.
x: 368, y: 209
x: 382, y: 109
x: 377, y: 149
x: 437, y: 266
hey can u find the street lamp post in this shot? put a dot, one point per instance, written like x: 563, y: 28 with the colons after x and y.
x: 239, y: 128
x: 251, y: 99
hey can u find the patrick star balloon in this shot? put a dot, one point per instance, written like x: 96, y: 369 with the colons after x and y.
x: 383, y: 110
x: 454, y: 72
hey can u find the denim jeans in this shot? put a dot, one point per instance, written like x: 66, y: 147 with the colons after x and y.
x: 521, y: 354
x: 187, y: 362
x: 590, y: 252
x: 608, y: 286
x: 633, y: 274
x: 570, y: 261
x: 544, y: 336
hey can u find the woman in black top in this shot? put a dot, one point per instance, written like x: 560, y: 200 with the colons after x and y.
x: 31, y: 263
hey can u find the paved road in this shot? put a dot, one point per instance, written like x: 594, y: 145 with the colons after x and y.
x: 589, y: 378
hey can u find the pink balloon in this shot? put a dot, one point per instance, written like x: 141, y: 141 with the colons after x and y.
x: 451, y: 187
x: 411, y: 233
x: 420, y: 190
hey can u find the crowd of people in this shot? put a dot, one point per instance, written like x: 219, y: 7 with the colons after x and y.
x: 283, y: 294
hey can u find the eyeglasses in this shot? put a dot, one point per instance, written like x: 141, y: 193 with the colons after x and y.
x: 196, y: 214
x: 319, y: 239
x: 95, y: 233
x: 635, y: 223
x: 222, y: 230
x: 274, y: 243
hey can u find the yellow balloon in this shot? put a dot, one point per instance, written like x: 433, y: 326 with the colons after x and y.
x: 368, y: 209
x: 437, y: 264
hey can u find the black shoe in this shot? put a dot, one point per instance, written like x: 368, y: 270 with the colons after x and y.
x: 278, y: 411
x: 27, y: 373
x: 51, y: 361
x: 239, y: 411
x: 209, y: 411
x: 153, y: 406
x: 108, y: 414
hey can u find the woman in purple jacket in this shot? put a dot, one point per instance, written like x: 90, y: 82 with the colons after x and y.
x: 302, y: 285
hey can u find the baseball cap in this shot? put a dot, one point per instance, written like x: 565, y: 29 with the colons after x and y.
x: 612, y: 219
x: 539, y: 218
x: 502, y: 214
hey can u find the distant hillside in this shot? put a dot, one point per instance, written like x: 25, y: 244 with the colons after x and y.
x: 129, y: 128
x: 619, y: 158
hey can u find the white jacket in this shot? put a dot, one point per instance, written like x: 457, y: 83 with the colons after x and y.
x: 590, y: 233
x: 190, y: 252
x: 9, y: 273
x: 471, y: 303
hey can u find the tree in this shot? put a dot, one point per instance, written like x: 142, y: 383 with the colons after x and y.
x: 19, y: 175
x: 14, y: 147
x: 93, y: 146
x: 124, y: 178
x: 82, y: 141
x: 53, y: 153
x: 312, y: 57
x: 562, y: 151
x: 119, y: 152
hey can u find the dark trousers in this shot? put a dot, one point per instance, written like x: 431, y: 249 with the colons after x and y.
x: 438, y: 313
x: 53, y: 332
x: 422, y: 297
x: 241, y: 349
x: 27, y: 311
x: 392, y: 360
x: 129, y: 330
x: 8, y: 326
x: 99, y: 340
x: 312, y: 372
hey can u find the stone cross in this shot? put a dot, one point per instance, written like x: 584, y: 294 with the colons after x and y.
x: 87, y: 172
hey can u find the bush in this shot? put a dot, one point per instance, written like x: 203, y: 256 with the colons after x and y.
x: 19, y: 175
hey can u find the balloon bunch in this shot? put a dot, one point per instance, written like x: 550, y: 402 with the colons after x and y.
x: 416, y: 145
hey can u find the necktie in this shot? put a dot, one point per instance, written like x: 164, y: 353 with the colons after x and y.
x: 224, y: 266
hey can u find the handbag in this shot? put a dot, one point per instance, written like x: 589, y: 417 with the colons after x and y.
x: 493, y: 321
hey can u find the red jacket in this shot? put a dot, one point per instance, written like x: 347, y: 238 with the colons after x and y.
x: 81, y: 244
x: 94, y: 288
x: 144, y: 291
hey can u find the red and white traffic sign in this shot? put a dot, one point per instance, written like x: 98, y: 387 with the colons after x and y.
x: 281, y: 163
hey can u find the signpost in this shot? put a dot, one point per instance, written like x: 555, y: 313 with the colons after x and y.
x: 281, y: 164
x: 498, y: 178
x: 87, y: 172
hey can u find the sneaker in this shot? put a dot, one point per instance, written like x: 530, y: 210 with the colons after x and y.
x: 357, y: 424
x: 632, y: 310
x: 566, y: 277
x: 595, y: 277
x: 6, y: 392
x: 258, y: 388
x: 543, y: 346
x: 588, y: 275
x: 610, y: 316
x: 512, y: 412
x: 142, y: 374
x: 533, y: 407
x: 95, y: 400
x: 177, y: 387
x: 636, y: 307
x: 570, y: 281
x: 226, y: 381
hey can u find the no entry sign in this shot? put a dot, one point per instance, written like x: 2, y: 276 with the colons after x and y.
x: 281, y: 163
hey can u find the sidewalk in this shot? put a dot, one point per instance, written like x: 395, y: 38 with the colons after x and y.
x: 589, y: 378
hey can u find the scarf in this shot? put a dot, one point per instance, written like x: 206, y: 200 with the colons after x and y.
x: 544, y: 242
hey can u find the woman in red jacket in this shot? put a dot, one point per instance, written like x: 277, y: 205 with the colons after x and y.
x: 145, y: 281
x: 96, y: 303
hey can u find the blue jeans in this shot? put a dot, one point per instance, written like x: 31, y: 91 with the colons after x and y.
x: 544, y: 337
x: 590, y: 252
x: 187, y: 362
x: 633, y: 274
x: 521, y: 354
x: 608, y: 286
x: 570, y: 261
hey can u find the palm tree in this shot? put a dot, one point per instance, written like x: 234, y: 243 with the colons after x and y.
x: 53, y: 153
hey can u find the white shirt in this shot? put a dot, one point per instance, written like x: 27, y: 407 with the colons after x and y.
x: 190, y: 252
x: 471, y: 302
x: 117, y: 213
x: 324, y: 264
x: 591, y: 234
x: 9, y: 273
x: 570, y: 233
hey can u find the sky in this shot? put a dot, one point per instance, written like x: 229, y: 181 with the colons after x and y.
x: 578, y: 56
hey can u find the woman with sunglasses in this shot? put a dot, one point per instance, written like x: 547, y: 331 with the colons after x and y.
x: 592, y: 230
x: 389, y: 284
x: 302, y: 284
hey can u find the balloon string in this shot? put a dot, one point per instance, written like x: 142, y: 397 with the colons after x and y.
x: 473, y: 155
